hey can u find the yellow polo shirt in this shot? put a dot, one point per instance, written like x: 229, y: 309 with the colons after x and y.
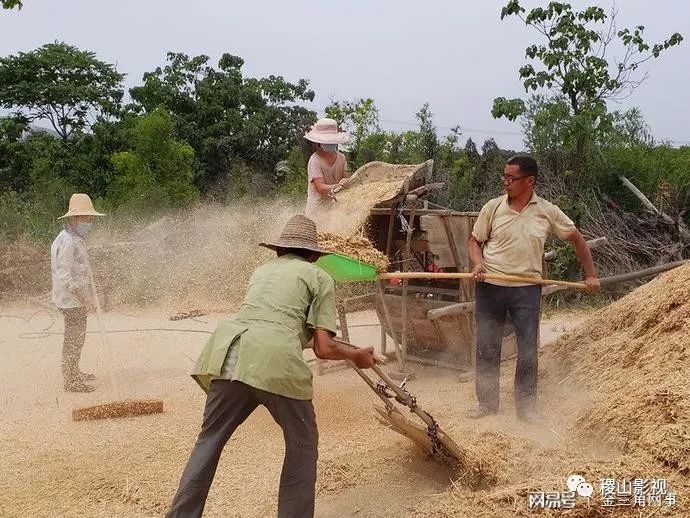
x: 261, y: 346
x: 513, y: 242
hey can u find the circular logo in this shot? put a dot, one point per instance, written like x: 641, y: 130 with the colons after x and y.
x: 585, y: 489
x: 573, y: 481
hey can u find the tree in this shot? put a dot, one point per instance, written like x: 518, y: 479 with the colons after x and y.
x: 62, y: 84
x: 471, y: 150
x: 417, y: 146
x: 227, y: 118
x: 11, y: 4
x: 360, y: 118
x: 573, y: 67
x: 12, y: 159
x: 158, y: 171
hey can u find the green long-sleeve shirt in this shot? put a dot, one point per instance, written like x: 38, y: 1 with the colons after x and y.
x: 287, y: 299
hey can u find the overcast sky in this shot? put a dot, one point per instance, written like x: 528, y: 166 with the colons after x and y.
x: 455, y: 55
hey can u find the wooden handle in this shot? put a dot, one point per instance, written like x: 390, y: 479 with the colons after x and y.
x: 490, y: 276
x: 380, y: 359
x: 451, y: 310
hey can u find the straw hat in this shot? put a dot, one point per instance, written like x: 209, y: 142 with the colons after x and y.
x: 80, y: 205
x: 299, y: 232
x: 325, y: 131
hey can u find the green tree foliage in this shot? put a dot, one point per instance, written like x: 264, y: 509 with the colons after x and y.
x: 11, y: 155
x: 59, y: 83
x: 361, y: 119
x: 227, y: 118
x: 572, y: 67
x: 661, y: 172
x: 369, y: 142
x: 158, y: 171
x: 11, y: 4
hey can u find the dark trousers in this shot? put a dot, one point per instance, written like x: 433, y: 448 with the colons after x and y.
x: 73, y: 342
x: 228, y: 404
x: 492, y: 304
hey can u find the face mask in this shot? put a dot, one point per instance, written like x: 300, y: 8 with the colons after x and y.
x: 83, y: 228
x: 330, y: 148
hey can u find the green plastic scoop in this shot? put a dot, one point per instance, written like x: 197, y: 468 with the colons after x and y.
x: 346, y: 269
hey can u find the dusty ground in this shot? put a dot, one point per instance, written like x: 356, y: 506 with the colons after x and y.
x: 53, y: 466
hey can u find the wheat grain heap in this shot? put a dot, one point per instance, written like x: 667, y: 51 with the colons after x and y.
x: 357, y: 247
x: 376, y: 182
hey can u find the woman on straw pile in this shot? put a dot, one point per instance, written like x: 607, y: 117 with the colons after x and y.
x: 508, y: 238
x: 255, y: 358
x: 327, y: 167
x: 69, y: 264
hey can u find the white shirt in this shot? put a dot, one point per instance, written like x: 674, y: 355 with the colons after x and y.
x: 69, y: 265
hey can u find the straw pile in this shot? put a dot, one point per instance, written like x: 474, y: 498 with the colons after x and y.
x: 527, y: 468
x: 357, y: 247
x: 628, y: 393
x: 634, y: 357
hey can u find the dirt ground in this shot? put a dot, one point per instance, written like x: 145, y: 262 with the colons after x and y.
x: 53, y: 466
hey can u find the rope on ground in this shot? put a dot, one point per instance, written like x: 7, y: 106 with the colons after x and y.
x: 45, y: 332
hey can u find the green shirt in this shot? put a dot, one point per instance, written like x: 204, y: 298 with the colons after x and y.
x: 287, y: 299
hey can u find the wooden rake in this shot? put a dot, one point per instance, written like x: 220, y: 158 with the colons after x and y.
x: 431, y: 438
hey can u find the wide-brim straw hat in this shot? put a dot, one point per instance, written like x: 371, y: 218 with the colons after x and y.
x: 325, y: 131
x: 299, y: 232
x: 80, y: 205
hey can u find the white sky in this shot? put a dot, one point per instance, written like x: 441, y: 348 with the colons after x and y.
x: 456, y: 55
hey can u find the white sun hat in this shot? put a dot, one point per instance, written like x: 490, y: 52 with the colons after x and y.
x: 325, y: 131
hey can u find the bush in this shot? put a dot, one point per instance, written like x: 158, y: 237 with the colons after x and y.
x: 158, y: 172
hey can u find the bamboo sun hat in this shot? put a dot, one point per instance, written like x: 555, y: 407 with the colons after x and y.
x: 299, y: 232
x: 80, y: 205
x: 325, y: 131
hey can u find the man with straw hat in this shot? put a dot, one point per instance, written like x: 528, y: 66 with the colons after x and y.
x: 255, y: 358
x: 69, y: 264
x: 327, y: 167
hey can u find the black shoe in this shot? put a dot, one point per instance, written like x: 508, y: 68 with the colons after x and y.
x: 479, y: 411
x: 78, y: 386
x: 85, y: 376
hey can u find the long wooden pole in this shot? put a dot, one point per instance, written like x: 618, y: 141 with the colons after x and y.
x: 630, y: 276
x: 406, y: 256
x: 490, y: 276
